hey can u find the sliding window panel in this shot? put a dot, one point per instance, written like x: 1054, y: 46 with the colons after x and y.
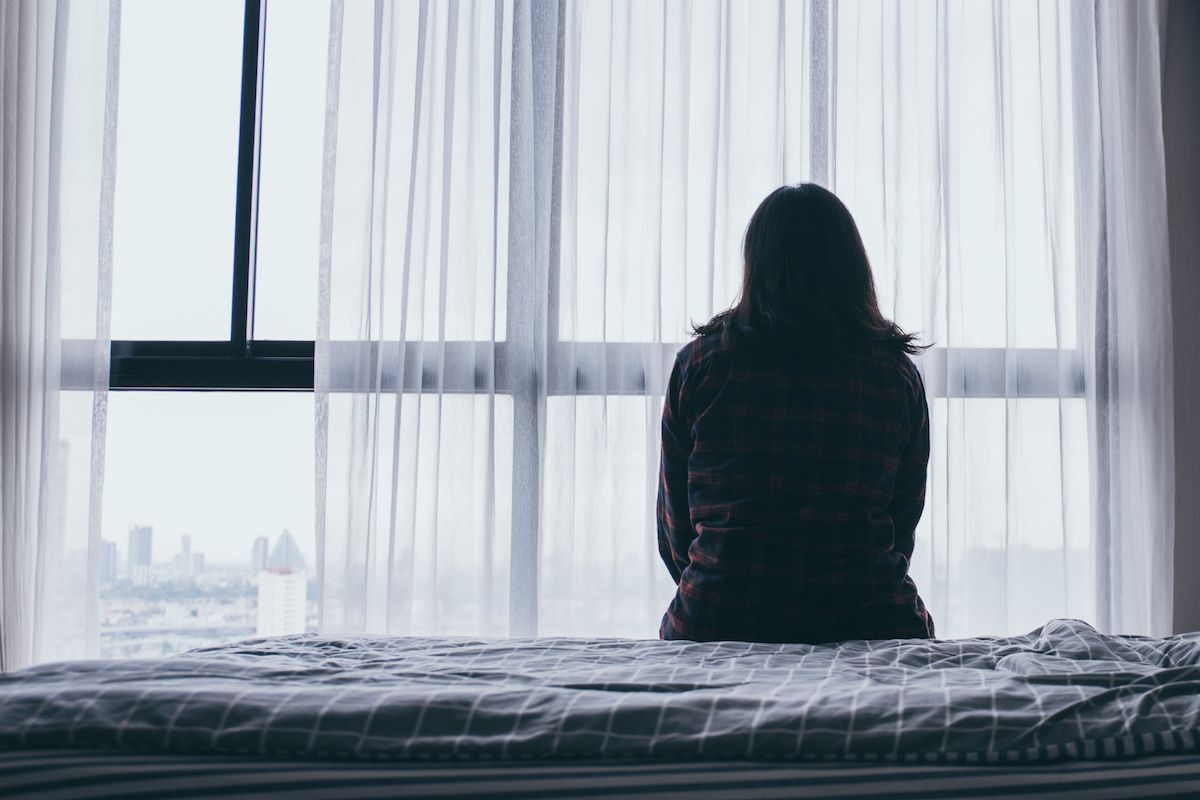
x: 208, y: 533
x: 176, y: 168
x: 292, y: 132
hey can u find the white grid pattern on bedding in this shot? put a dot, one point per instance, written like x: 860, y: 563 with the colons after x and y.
x: 1062, y: 691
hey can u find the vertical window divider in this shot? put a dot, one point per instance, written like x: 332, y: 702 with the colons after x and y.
x: 535, y: 183
x: 246, y: 210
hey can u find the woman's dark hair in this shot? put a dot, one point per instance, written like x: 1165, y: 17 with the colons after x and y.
x: 807, y: 278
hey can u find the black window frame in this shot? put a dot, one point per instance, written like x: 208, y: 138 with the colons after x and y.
x: 240, y: 363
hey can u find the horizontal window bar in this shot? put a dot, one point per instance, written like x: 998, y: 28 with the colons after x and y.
x: 481, y: 367
x: 135, y: 348
x: 192, y: 366
x: 1002, y: 372
x: 212, y: 374
x: 610, y: 368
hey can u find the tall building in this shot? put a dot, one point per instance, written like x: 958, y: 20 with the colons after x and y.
x: 281, y: 602
x: 285, y: 554
x: 108, y: 561
x: 258, y: 556
x: 282, y: 590
x: 184, y: 566
x: 140, y: 539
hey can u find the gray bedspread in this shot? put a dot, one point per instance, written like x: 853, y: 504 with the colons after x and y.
x: 1062, y: 691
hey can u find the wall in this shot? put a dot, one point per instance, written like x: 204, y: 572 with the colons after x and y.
x: 1181, y: 134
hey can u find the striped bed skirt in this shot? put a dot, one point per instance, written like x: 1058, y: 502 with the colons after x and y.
x: 64, y: 774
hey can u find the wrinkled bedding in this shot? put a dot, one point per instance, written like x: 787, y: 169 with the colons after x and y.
x: 1062, y: 691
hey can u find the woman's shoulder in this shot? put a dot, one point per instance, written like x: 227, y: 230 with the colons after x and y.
x: 896, y: 366
x: 703, y: 348
x: 880, y: 367
x: 897, y: 360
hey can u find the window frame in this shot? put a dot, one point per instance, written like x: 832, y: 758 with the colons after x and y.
x: 532, y: 362
x: 243, y: 363
x: 240, y: 363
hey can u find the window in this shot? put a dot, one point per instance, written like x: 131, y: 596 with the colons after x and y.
x: 250, y: 187
x: 209, y: 524
x: 207, y: 531
x: 177, y: 170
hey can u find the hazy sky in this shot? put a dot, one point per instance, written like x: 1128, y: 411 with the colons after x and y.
x: 223, y: 468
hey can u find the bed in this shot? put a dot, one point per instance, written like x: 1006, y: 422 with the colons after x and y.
x: 1062, y: 709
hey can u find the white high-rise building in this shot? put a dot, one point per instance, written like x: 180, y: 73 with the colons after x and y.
x: 281, y: 602
x: 282, y: 590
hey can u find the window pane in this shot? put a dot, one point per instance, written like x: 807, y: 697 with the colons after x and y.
x: 63, y: 577
x: 600, y: 571
x: 176, y: 168
x: 1005, y: 540
x: 449, y: 244
x: 430, y: 555
x: 293, y: 127
x: 208, y: 520
x: 957, y: 161
x: 677, y: 121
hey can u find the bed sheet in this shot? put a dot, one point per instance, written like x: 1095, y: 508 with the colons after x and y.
x: 1060, y: 692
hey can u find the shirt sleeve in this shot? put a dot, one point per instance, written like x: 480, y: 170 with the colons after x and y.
x: 908, y: 499
x: 674, y: 520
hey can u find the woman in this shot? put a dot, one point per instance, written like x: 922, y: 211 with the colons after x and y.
x: 795, y: 439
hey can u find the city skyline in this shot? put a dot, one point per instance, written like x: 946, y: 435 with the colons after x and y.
x: 223, y: 469
x: 182, y: 602
x: 113, y: 552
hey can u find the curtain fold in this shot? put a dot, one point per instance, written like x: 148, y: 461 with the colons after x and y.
x: 431, y: 106
x: 526, y: 204
x: 58, y: 67
x: 1132, y: 408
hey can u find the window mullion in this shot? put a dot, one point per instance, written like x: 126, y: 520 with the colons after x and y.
x: 245, y: 215
x: 534, y: 209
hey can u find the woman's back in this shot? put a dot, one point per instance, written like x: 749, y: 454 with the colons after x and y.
x: 792, y: 482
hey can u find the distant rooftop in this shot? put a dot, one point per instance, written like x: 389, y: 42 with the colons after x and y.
x: 285, y: 555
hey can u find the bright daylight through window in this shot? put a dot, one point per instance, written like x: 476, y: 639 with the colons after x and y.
x: 208, y: 527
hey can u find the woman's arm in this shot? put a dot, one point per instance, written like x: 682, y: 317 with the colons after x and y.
x: 674, y: 520
x: 908, y: 497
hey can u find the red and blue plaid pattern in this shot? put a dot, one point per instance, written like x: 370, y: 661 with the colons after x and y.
x: 790, y: 489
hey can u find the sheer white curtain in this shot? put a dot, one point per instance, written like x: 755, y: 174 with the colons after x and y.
x: 1005, y: 164
x: 1127, y: 312
x: 58, y: 66
x: 526, y: 204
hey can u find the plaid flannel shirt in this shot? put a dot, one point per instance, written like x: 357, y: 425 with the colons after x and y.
x: 789, y: 494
